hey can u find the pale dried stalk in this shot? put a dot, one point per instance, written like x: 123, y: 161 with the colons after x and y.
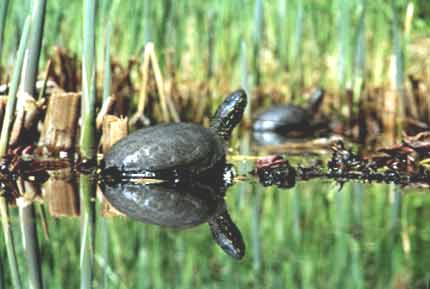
x: 149, y: 57
x: 104, y: 110
x: 26, y: 116
x: 59, y: 128
x: 114, y: 129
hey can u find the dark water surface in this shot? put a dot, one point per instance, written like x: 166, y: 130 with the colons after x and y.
x: 317, y: 234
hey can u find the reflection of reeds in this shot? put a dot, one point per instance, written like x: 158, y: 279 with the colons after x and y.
x: 60, y: 194
x: 87, y: 210
x: 28, y: 107
x: 4, y: 140
x: 88, y: 145
x: 9, y: 242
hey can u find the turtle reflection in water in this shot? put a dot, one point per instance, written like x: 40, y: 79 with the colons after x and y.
x: 278, y: 123
x: 182, y: 154
x: 179, y: 206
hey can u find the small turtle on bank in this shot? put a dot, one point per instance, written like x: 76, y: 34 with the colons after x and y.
x: 290, y: 119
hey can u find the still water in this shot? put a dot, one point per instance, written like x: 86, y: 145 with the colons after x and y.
x: 317, y: 234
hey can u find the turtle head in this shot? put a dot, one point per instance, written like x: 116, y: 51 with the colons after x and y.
x: 227, y: 235
x: 315, y: 100
x: 229, y: 113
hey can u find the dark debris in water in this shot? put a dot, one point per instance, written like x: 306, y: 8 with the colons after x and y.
x: 406, y: 164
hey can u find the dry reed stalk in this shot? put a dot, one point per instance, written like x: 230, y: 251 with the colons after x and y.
x: 28, y: 112
x: 61, y: 195
x: 114, y: 129
x: 318, y: 146
x: 390, y: 108
x: 104, y: 110
x: 150, y: 60
x: 59, y: 128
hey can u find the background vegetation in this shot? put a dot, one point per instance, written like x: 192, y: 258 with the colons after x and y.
x: 311, y: 236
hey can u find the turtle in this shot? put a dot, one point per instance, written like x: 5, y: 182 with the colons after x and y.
x: 177, y: 151
x: 179, y: 206
x: 290, y: 120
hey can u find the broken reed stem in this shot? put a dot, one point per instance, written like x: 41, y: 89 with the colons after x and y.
x: 114, y: 129
x: 61, y: 121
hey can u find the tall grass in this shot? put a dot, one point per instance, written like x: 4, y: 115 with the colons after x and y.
x: 3, y: 10
x: 315, y: 41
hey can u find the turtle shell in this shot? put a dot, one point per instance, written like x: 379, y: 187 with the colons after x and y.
x: 164, y: 203
x: 168, y: 147
x: 282, y: 118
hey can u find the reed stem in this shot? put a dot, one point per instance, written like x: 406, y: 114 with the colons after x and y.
x: 28, y: 82
x: 34, y: 46
x: 11, y: 99
x: 4, y: 140
x: 107, y: 69
x: 3, y: 11
x: 87, y: 141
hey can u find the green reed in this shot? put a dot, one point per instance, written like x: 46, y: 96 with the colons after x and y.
x: 3, y: 11
x: 309, y: 39
x: 88, y: 145
x: 87, y: 139
x: 28, y: 82
x: 4, y: 141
